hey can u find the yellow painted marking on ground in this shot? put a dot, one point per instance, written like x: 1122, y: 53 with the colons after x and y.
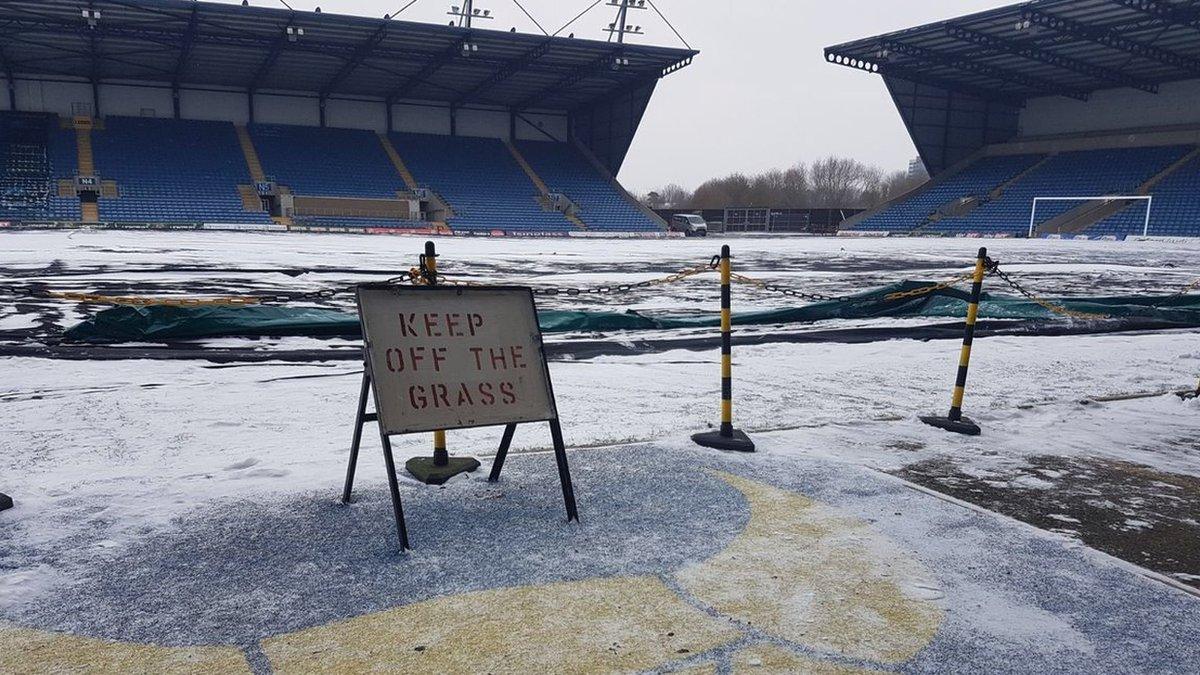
x: 769, y: 659
x: 23, y: 650
x: 594, y: 626
x: 802, y: 572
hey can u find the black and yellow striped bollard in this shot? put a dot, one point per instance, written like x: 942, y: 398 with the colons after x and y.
x: 726, y: 438
x: 441, y: 467
x: 954, y: 421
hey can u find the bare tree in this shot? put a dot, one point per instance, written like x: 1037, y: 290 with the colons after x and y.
x: 838, y: 182
x: 831, y: 182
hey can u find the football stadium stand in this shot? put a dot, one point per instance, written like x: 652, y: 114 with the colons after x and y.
x: 34, y: 154
x: 977, y: 181
x: 201, y: 113
x: 1086, y: 106
x: 602, y: 204
x: 1174, y: 211
x: 481, y: 182
x: 171, y: 171
x: 326, y: 162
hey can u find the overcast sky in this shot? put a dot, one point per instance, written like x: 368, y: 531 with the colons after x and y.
x: 759, y: 96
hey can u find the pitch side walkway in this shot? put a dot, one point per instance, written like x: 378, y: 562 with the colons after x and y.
x: 686, y: 561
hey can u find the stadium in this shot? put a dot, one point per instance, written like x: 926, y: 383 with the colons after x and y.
x: 935, y: 425
x: 138, y: 114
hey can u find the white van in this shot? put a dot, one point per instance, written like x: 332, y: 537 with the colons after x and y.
x: 689, y: 224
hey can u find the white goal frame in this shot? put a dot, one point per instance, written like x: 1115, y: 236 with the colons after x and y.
x: 1149, y: 199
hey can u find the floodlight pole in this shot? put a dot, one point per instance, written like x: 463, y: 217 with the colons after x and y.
x: 467, y: 14
x: 623, y: 7
x: 622, y: 12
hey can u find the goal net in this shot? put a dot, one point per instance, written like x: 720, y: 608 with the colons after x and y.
x: 1133, y: 208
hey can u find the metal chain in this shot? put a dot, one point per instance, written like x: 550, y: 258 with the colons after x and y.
x: 775, y: 288
x: 596, y: 290
x: 1055, y: 308
x: 932, y: 288
x: 142, y: 301
x: 226, y: 301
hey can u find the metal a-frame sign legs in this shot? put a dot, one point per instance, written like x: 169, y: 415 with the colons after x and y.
x: 363, y: 417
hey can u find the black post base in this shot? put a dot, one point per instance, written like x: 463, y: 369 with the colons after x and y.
x: 6, y: 502
x: 962, y: 426
x: 738, y: 441
x: 427, y: 471
x: 1188, y: 395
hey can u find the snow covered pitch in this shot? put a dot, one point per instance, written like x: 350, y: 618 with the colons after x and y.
x: 176, y: 513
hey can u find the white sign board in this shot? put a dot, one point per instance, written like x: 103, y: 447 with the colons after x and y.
x: 454, y: 357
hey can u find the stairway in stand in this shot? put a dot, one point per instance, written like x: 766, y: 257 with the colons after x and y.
x: 90, y: 211
x: 540, y: 184
x: 252, y: 162
x: 398, y: 162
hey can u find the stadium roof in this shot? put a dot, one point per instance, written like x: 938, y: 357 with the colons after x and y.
x: 1041, y: 48
x: 200, y: 44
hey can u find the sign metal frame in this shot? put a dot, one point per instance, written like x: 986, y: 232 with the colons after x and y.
x: 369, y: 390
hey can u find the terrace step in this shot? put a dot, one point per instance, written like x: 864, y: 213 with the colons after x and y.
x: 620, y: 189
x: 250, y: 199
x: 253, y: 163
x: 1166, y: 173
x: 398, y: 162
x: 545, y: 199
x: 998, y: 191
x: 90, y: 211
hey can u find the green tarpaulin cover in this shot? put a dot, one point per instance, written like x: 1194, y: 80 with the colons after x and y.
x: 162, y: 323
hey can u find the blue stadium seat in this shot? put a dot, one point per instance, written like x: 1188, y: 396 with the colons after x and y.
x: 324, y: 162
x: 1175, y: 211
x: 1070, y: 174
x: 1084, y: 173
x: 480, y: 180
x: 172, y: 171
x: 34, y: 154
x: 564, y: 169
x: 976, y: 180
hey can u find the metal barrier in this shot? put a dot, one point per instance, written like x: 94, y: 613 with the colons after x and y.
x: 439, y: 468
x: 954, y: 420
x: 726, y: 437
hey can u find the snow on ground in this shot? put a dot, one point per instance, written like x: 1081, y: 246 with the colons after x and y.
x: 106, y: 450
x: 102, y: 456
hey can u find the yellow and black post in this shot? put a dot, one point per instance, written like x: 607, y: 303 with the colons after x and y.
x: 726, y: 438
x: 441, y: 467
x: 954, y: 421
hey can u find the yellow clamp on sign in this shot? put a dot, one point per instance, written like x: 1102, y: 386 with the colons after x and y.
x: 138, y: 301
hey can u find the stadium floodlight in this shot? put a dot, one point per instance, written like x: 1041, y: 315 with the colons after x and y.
x: 1106, y: 199
x: 619, y: 27
x: 467, y: 12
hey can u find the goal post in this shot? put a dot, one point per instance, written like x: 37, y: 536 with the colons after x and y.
x: 1149, y: 199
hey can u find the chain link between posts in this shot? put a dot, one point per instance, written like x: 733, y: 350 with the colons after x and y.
x: 775, y: 288
x: 1053, y: 307
x: 418, y: 276
x: 932, y: 288
x: 596, y: 290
